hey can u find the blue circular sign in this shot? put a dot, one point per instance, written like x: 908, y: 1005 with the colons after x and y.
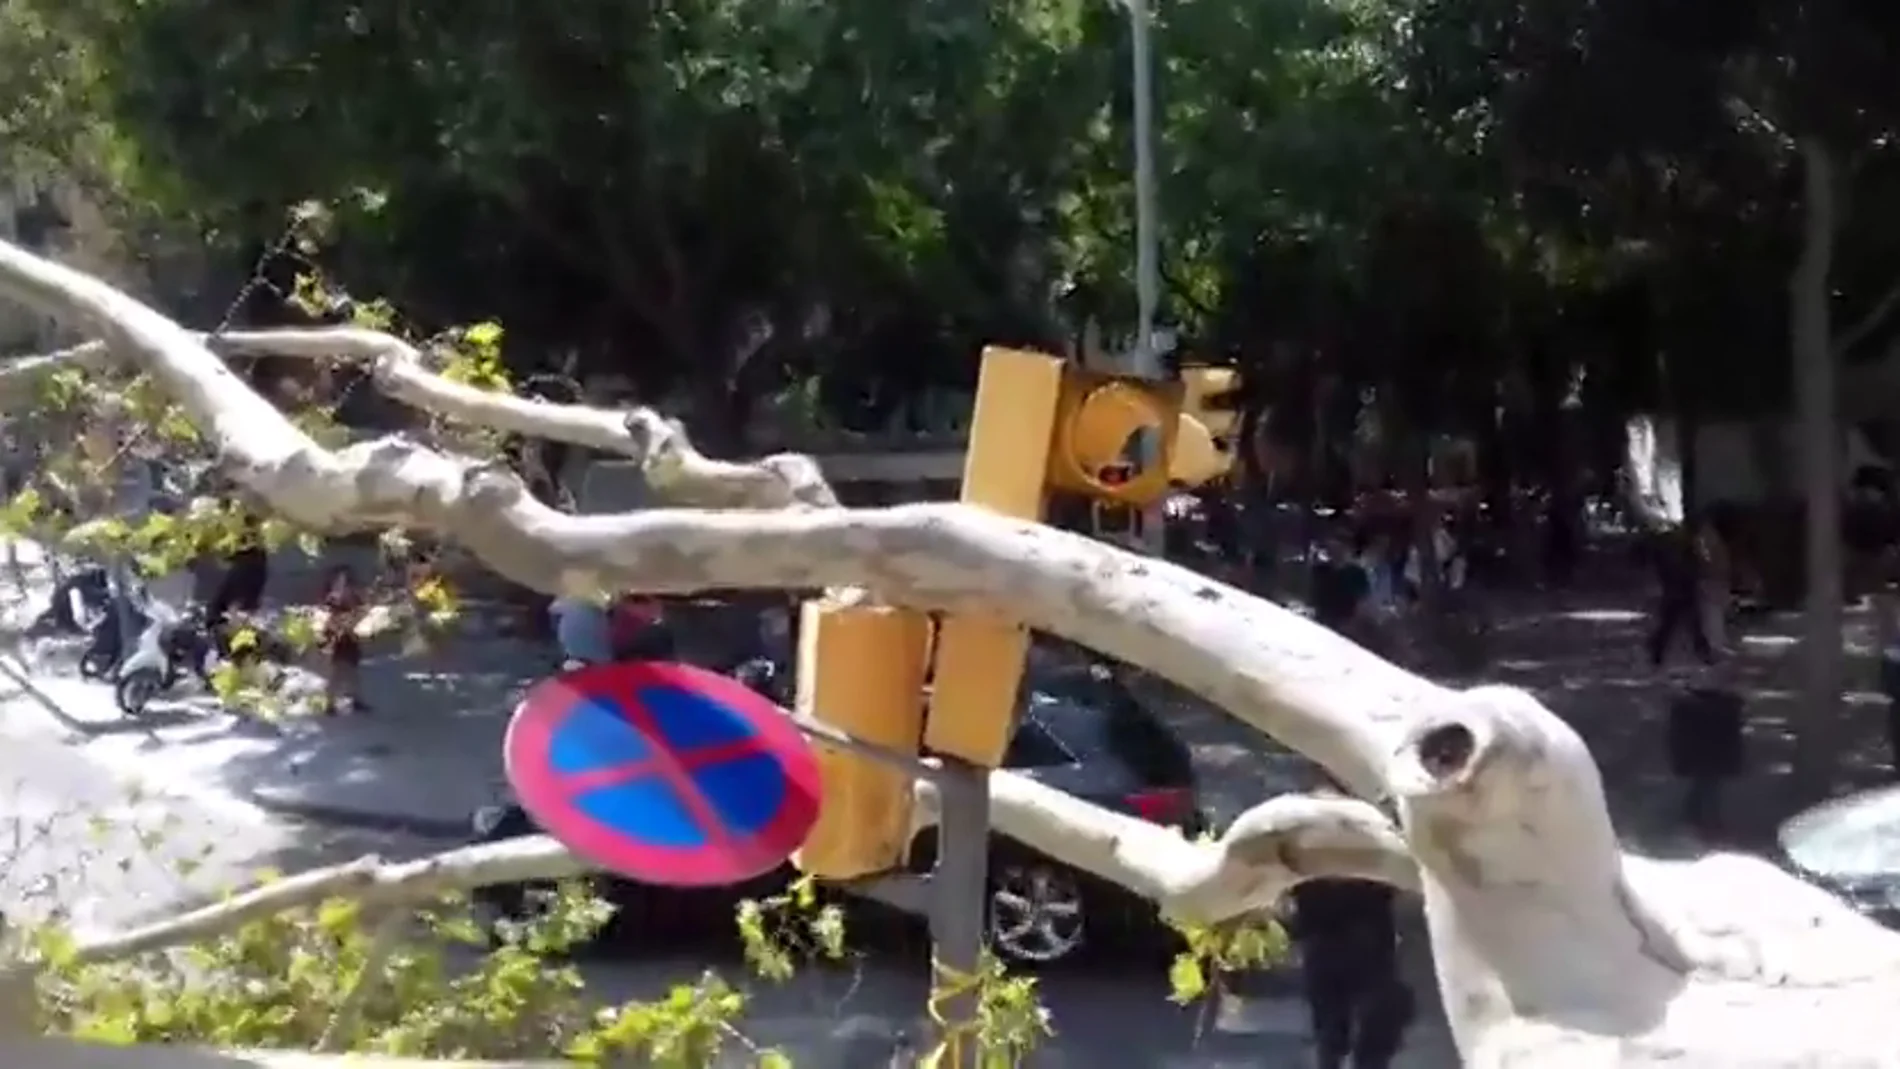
x: 665, y: 773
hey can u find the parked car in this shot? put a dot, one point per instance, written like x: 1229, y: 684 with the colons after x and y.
x: 1851, y: 846
x: 1080, y: 729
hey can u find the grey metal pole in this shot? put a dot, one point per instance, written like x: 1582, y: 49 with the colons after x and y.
x: 1146, y: 355
x: 958, y: 905
x: 1147, y: 251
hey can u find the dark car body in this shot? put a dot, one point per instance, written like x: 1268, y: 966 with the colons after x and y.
x: 1079, y: 729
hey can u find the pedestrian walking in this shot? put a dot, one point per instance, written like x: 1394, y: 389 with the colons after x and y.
x: 246, y: 574
x: 343, y: 605
x: 1677, y: 559
x: 1347, y: 934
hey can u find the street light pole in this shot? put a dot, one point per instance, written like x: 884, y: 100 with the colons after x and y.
x: 1147, y: 254
x: 1146, y: 357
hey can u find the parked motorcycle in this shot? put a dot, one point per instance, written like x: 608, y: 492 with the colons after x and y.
x: 171, y: 642
x: 77, y: 599
x: 143, y: 650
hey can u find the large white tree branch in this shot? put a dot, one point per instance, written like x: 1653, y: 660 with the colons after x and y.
x: 1312, y: 689
x: 673, y: 466
x: 1551, y: 947
x: 937, y: 557
x: 1279, y: 844
x: 669, y: 461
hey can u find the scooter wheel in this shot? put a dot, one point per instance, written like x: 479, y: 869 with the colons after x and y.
x: 95, y: 664
x: 135, y: 690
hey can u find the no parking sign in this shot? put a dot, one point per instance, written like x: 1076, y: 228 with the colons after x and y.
x: 663, y: 773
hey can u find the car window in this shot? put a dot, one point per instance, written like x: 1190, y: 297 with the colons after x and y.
x: 1116, y: 727
x: 1033, y: 747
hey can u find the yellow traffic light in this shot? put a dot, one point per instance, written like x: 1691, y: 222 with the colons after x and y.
x: 1042, y: 425
x: 1099, y: 430
x: 861, y: 669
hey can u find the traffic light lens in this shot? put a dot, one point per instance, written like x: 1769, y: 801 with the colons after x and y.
x: 1107, y: 428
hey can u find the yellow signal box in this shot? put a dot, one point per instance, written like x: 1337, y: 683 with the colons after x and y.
x: 1205, y: 448
x: 861, y: 669
x: 1041, y: 425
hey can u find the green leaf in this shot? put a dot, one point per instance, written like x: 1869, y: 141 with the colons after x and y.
x: 1186, y: 980
x: 485, y: 335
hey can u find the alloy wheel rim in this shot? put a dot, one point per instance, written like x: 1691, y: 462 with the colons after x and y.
x: 1036, y: 913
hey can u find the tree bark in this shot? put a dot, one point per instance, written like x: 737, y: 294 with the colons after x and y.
x: 1819, y: 732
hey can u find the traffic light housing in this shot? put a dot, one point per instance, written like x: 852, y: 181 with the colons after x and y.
x: 1042, y: 426
x: 861, y: 669
x: 1210, y: 422
x: 1100, y: 419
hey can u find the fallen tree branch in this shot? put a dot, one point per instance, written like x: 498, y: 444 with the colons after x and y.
x: 1552, y: 948
x: 1310, y: 688
x: 672, y: 465
x: 21, y: 376
x: 384, y: 939
x: 1272, y: 847
x: 368, y: 880
x: 667, y: 458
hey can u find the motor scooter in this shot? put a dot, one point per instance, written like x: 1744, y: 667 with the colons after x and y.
x: 77, y: 599
x: 170, y: 641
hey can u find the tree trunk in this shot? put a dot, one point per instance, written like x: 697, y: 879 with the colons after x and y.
x: 1818, y: 732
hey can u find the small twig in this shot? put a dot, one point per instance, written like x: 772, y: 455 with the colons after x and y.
x: 383, y: 940
x: 17, y: 996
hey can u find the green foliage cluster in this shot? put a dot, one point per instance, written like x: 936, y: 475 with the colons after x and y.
x: 1450, y: 205
x: 430, y: 983
x: 421, y: 984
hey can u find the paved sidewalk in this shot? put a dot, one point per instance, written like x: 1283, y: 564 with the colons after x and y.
x: 420, y: 763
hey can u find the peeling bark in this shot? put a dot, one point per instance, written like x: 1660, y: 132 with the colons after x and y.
x: 1552, y: 947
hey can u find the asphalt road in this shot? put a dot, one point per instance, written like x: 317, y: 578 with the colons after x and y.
x: 78, y: 841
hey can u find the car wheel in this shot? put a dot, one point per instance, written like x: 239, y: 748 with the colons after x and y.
x: 1037, y: 913
x: 135, y: 690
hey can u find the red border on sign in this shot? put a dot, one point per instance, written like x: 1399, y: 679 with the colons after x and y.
x: 726, y: 858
